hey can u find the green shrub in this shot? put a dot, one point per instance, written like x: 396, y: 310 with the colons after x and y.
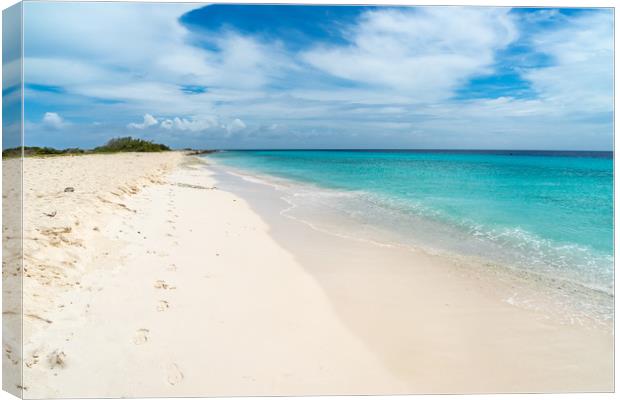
x: 127, y: 144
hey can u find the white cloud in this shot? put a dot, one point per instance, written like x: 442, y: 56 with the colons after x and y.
x: 581, y: 76
x: 64, y: 72
x: 53, y: 120
x: 144, y: 65
x: 148, y: 120
x: 193, y: 124
x: 235, y: 126
x: 103, y: 33
x: 167, y: 124
x: 425, y: 52
x: 202, y: 124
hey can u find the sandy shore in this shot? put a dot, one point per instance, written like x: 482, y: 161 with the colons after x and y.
x: 157, y: 279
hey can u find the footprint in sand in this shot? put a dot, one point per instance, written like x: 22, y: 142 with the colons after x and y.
x: 161, y: 284
x: 57, y: 359
x: 162, y: 305
x: 174, y: 375
x: 141, y: 336
x: 32, y: 360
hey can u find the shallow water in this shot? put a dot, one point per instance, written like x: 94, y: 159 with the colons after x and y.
x: 548, y: 214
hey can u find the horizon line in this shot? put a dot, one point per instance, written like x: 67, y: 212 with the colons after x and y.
x: 408, y: 149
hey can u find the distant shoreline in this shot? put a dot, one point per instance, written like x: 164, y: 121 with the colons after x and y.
x: 115, y: 145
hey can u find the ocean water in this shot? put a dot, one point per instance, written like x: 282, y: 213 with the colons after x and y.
x: 546, y: 214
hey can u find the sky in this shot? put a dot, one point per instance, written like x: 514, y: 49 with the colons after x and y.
x: 252, y: 76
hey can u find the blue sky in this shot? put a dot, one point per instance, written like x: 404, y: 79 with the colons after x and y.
x: 238, y: 76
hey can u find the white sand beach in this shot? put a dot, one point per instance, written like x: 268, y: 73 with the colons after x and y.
x: 149, y: 279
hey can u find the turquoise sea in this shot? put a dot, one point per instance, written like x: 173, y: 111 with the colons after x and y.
x: 548, y: 214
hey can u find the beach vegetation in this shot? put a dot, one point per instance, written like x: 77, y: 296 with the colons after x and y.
x: 116, y: 145
x: 129, y: 144
x: 39, y: 151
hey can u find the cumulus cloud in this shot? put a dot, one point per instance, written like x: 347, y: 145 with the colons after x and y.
x: 148, y: 120
x: 195, y: 124
x: 53, y: 120
x: 202, y: 124
x: 167, y: 124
